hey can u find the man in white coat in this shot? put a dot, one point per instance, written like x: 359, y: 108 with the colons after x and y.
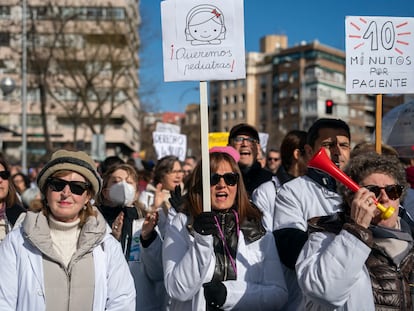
x: 311, y: 195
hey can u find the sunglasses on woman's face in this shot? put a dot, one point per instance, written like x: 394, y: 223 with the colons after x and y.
x: 76, y: 187
x: 229, y: 178
x: 392, y: 191
x: 5, y: 175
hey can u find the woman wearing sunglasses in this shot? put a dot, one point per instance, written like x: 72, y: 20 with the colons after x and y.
x: 223, y: 259
x: 11, y: 209
x: 63, y: 256
x: 357, y: 260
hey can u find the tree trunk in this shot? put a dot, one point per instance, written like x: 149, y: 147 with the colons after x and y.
x: 43, y: 116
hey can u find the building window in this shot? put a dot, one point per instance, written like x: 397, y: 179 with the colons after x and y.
x: 275, y: 80
x: 263, y: 81
x: 263, y: 98
x: 283, y: 93
x: 283, y: 77
x: 4, y: 39
x: 4, y: 12
x: 225, y: 116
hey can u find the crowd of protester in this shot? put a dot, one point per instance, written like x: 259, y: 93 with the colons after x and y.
x: 132, y: 234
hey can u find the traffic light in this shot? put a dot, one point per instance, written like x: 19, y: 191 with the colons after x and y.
x: 328, y: 106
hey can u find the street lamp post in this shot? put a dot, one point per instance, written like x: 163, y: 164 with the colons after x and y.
x: 7, y: 85
x: 24, y: 88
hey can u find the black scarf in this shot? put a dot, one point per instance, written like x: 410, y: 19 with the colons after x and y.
x: 130, y: 214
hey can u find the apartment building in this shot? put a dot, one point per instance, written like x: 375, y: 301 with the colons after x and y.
x: 81, y: 76
x: 287, y: 88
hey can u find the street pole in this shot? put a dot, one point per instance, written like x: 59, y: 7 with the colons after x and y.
x: 24, y: 88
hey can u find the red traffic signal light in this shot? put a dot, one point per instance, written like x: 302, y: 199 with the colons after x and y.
x: 328, y: 106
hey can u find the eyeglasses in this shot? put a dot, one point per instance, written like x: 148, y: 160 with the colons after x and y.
x: 273, y: 159
x: 76, y: 187
x: 239, y: 140
x: 392, y: 191
x: 229, y: 178
x: 176, y: 172
x: 5, y: 175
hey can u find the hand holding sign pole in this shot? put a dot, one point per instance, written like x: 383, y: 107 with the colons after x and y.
x: 203, y: 41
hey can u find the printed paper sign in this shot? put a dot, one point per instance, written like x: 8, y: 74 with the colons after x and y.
x: 264, y: 138
x: 203, y: 40
x: 167, y: 128
x: 218, y: 139
x: 379, y: 55
x: 169, y: 144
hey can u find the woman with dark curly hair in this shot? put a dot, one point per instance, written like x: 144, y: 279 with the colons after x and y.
x: 357, y: 260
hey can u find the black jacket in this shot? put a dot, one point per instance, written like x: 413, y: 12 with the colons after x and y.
x: 254, y: 176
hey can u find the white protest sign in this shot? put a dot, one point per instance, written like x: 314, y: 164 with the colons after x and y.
x: 169, y: 144
x: 379, y: 55
x: 203, y: 41
x: 167, y: 128
x: 264, y: 138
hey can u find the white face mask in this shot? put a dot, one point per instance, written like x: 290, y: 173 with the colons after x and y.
x: 122, y: 193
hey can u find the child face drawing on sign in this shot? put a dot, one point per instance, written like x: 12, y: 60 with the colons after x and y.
x: 205, y: 25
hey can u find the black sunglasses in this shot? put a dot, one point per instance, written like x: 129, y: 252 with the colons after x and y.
x: 229, y: 178
x: 4, y: 175
x: 392, y: 191
x: 76, y: 187
x: 272, y: 159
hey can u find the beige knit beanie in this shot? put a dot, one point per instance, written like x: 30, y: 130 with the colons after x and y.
x: 76, y: 161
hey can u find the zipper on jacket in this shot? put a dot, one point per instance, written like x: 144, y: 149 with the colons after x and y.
x: 223, y: 228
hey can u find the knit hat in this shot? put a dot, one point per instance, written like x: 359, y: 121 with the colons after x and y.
x: 76, y: 161
x: 243, y: 129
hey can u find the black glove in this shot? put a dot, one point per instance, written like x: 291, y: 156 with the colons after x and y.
x: 176, y: 199
x: 215, y: 294
x: 205, y: 224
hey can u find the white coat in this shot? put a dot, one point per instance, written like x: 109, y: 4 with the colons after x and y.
x: 189, y: 262
x: 332, y: 273
x: 146, y: 268
x: 297, y: 201
x: 264, y: 198
x: 22, y: 284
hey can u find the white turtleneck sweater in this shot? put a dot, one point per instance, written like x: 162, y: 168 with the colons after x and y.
x: 64, y: 237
